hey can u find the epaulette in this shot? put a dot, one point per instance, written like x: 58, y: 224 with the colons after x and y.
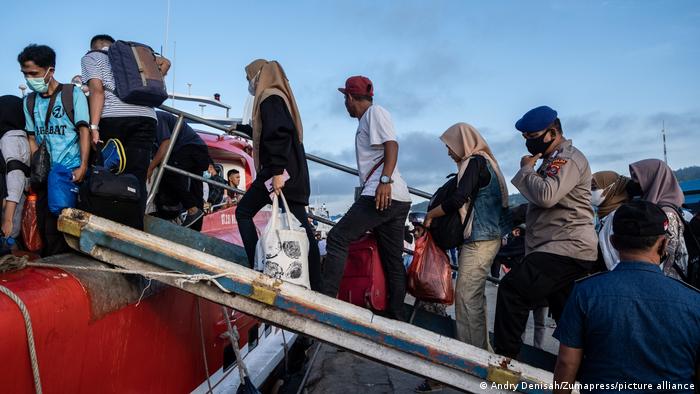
x: 688, y: 285
x: 590, y: 276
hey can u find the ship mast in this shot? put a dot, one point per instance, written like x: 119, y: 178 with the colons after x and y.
x: 663, y: 134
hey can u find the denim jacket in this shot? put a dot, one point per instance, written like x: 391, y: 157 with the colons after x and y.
x: 490, y: 217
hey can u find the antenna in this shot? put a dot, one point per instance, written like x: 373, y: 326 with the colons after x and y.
x: 167, y: 28
x: 663, y: 134
x: 172, y: 102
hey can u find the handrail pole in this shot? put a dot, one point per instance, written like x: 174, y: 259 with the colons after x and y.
x: 206, y: 122
x: 314, y: 158
x: 159, y: 175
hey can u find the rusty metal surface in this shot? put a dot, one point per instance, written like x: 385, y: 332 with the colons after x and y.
x: 107, y: 291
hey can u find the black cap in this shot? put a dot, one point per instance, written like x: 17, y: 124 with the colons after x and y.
x: 640, y: 219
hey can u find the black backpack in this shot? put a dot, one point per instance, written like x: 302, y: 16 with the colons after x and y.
x: 41, y: 161
x: 66, y: 91
x: 5, y: 168
x: 447, y: 231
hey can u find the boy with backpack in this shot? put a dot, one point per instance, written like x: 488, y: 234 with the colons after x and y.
x: 56, y: 118
x: 113, y: 115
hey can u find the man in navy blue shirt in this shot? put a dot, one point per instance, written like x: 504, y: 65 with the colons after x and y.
x: 189, y: 153
x: 632, y: 329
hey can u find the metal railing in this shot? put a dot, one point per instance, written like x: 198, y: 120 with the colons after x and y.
x: 182, y: 115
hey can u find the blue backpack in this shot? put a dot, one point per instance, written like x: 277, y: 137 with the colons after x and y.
x: 137, y: 77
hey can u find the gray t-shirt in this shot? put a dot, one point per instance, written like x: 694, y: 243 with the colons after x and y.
x: 14, y: 146
x: 374, y: 129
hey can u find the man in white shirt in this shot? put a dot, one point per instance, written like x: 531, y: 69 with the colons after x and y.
x: 383, y: 202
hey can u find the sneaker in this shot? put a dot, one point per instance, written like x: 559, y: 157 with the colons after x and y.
x: 429, y: 386
x: 113, y: 156
x: 192, y: 217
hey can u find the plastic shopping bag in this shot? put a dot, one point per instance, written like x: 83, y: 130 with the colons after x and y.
x: 282, y: 251
x: 63, y: 193
x: 30, y: 225
x: 430, y: 274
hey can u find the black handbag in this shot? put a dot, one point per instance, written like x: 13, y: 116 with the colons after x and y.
x: 103, y: 183
x: 40, y: 165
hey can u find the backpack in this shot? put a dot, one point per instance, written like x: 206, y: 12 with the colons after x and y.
x: 66, y: 91
x: 447, y: 231
x: 6, y: 168
x: 137, y: 77
x: 41, y: 161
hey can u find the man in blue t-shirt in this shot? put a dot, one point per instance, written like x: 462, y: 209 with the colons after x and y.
x: 68, y: 141
x: 631, y: 329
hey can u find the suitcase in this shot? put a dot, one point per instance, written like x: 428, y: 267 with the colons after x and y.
x: 364, y: 282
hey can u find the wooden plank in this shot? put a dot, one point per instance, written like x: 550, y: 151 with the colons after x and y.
x: 194, y: 239
x: 395, y: 343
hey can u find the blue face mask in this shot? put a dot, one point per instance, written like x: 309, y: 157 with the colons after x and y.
x: 206, y: 174
x: 39, y: 85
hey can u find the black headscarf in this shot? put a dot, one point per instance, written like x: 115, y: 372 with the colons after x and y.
x: 11, y: 114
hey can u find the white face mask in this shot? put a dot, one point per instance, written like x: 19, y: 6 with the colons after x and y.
x: 597, y: 197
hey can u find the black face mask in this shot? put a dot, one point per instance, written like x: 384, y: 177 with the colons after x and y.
x: 633, y: 189
x: 537, y: 145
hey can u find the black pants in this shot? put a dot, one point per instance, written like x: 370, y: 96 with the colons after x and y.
x: 539, y: 278
x: 193, y: 159
x: 137, y: 134
x: 54, y: 242
x: 388, y: 227
x: 253, y: 201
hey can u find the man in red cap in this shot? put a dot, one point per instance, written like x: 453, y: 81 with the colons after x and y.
x: 382, y: 201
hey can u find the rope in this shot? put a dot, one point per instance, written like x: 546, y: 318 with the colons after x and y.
x: 12, y: 263
x: 204, y: 348
x: 30, y: 335
x: 234, y: 337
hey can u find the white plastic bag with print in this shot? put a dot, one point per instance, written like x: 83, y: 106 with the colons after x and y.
x: 282, y: 251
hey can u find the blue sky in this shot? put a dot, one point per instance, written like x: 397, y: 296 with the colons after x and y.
x: 613, y: 69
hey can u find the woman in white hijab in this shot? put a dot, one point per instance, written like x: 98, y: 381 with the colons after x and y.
x: 481, y: 199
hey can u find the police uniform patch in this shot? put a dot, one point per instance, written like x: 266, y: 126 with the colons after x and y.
x: 554, y: 167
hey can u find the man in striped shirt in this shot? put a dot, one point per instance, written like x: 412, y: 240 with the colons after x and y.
x: 133, y: 125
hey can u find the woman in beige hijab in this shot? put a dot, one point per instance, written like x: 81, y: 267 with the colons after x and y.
x: 481, y: 199
x: 608, y: 192
x: 279, y: 155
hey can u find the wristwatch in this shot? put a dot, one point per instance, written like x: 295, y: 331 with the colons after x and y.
x: 94, y: 127
x: 385, y: 179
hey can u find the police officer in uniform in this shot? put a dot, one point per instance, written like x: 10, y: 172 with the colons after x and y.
x: 632, y: 325
x: 560, y: 244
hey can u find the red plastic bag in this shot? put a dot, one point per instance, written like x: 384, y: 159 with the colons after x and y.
x: 430, y: 274
x: 30, y: 225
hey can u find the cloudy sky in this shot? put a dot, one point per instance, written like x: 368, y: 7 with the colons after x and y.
x: 614, y: 70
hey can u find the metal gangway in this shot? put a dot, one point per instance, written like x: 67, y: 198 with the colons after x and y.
x: 217, y: 271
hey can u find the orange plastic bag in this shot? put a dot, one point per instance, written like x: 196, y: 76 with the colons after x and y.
x: 30, y: 225
x: 430, y: 274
